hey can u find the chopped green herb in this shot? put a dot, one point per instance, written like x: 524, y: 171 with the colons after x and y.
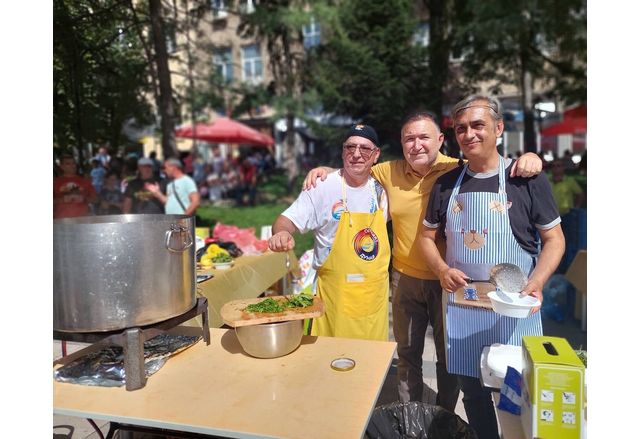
x: 267, y: 305
x: 272, y: 305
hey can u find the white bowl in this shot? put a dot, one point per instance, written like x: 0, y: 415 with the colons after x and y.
x: 511, y: 304
x: 222, y: 265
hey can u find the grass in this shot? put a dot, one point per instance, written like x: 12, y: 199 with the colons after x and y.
x: 263, y: 214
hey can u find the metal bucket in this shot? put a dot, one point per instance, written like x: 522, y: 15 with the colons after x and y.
x: 120, y: 271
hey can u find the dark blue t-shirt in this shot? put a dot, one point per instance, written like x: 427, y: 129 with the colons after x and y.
x: 531, y: 202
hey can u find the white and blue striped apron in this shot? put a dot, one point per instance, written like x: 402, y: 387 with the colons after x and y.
x: 481, y: 219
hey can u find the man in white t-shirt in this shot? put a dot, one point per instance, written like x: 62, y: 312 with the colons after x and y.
x: 348, y: 214
x: 182, y: 196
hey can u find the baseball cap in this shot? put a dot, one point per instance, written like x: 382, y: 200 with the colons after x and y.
x: 144, y: 161
x: 362, y: 130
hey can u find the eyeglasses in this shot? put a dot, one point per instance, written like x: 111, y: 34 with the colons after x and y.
x: 365, y: 151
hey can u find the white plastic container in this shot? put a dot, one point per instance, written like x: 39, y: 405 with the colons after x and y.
x: 511, y: 304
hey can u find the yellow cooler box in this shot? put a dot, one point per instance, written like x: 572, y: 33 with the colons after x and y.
x: 552, y: 389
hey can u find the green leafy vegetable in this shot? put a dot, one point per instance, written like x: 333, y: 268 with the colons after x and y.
x: 299, y: 301
x: 272, y: 305
x: 221, y: 257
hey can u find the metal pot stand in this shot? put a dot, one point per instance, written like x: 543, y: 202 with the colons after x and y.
x: 132, y: 341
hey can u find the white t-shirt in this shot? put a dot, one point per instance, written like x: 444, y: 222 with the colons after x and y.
x: 319, y: 210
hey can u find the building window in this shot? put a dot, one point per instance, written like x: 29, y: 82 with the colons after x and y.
x: 311, y: 34
x: 219, y: 8
x: 251, y: 64
x: 223, y: 64
x: 421, y: 35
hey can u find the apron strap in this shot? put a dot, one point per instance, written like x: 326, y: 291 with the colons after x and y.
x: 369, y: 183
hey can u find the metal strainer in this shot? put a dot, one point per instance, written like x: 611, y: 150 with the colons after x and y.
x: 507, y: 278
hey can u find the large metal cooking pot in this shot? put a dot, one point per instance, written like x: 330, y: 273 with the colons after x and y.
x: 120, y: 271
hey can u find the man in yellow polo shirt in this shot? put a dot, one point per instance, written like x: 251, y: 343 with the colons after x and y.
x: 416, y: 290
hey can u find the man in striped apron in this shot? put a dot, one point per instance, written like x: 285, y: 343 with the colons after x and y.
x: 487, y: 218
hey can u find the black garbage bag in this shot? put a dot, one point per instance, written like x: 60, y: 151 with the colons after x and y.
x: 417, y: 420
x: 232, y: 248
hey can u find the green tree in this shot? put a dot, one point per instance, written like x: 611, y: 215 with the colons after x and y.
x: 524, y: 43
x: 280, y: 23
x: 99, y: 73
x: 369, y: 69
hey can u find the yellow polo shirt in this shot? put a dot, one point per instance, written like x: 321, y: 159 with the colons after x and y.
x: 408, y: 195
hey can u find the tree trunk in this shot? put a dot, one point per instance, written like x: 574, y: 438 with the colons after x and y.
x: 530, y: 142
x: 439, y: 51
x: 190, y: 74
x: 164, y: 79
x: 290, y: 159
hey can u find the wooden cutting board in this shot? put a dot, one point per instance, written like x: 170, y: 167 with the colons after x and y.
x: 233, y: 313
x: 482, y: 289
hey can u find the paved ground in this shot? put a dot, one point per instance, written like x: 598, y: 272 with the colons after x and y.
x: 77, y: 428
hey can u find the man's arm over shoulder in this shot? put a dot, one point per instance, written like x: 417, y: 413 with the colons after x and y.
x: 381, y: 172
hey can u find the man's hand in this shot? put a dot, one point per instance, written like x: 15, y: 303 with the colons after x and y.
x: 313, y: 175
x: 528, y: 165
x: 282, y: 242
x: 533, y: 289
x: 451, y: 279
x: 154, y: 188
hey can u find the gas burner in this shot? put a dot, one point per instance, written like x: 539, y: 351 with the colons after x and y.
x: 132, y: 342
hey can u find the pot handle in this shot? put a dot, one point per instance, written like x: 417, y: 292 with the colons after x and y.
x: 175, y: 228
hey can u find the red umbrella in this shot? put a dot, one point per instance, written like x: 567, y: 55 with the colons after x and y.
x: 225, y: 130
x: 579, y: 111
x: 570, y: 125
x: 575, y: 122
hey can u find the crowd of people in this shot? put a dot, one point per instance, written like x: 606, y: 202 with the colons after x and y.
x: 132, y: 184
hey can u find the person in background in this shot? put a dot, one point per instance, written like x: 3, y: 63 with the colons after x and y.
x: 111, y: 197
x: 568, y: 196
x: 215, y: 186
x: 187, y: 163
x: 129, y: 171
x: 103, y: 157
x: 566, y: 191
x: 137, y: 197
x: 199, y: 171
x: 348, y: 215
x: 230, y: 180
x: 157, y: 164
x: 248, y: 182
x: 182, y: 196
x: 97, y: 175
x: 217, y: 161
x: 416, y: 291
x: 72, y: 194
x: 487, y: 218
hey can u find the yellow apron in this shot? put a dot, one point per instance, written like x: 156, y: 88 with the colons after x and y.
x: 354, y: 280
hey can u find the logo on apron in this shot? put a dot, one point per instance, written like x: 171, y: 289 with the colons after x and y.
x: 337, y: 209
x: 365, y: 244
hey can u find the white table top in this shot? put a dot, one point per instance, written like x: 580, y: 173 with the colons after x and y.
x: 220, y: 390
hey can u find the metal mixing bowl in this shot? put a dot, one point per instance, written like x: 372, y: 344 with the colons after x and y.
x: 270, y: 340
